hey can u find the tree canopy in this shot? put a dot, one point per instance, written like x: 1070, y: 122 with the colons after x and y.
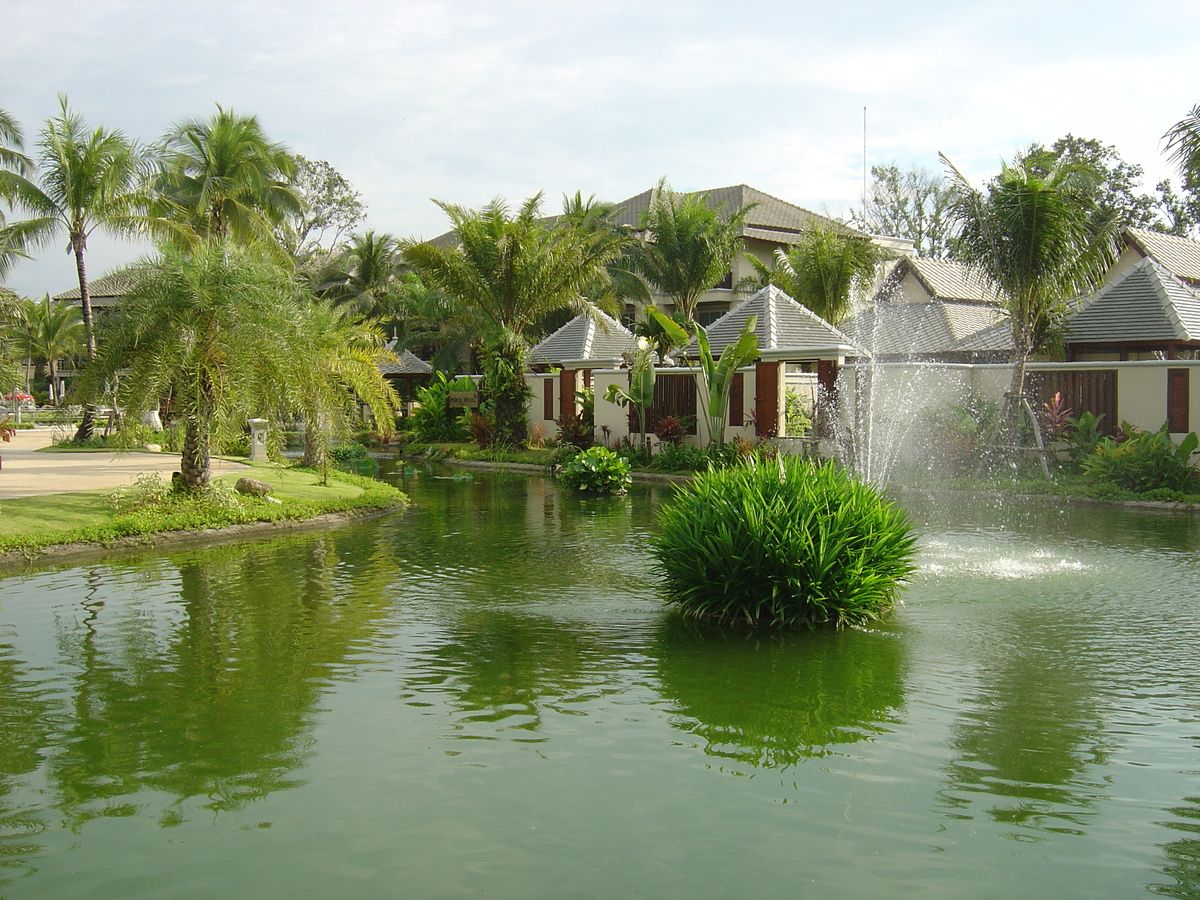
x: 1038, y: 237
x: 689, y: 245
x: 222, y: 177
x: 512, y: 269
x: 911, y: 203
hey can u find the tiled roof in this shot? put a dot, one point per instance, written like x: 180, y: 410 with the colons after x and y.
x: 917, y: 329
x: 771, y: 219
x: 103, y: 291
x: 1180, y: 255
x: 944, y: 279
x: 1147, y: 303
x: 584, y: 337
x: 783, y: 324
x: 407, y: 363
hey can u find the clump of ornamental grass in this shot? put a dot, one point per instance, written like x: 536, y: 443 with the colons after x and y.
x: 783, y: 544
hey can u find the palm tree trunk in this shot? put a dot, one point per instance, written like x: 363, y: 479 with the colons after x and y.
x: 195, y: 465
x: 87, y: 425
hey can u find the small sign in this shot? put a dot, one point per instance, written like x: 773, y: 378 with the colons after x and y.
x: 463, y: 399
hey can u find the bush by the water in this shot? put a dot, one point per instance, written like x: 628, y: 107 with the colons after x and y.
x: 596, y: 470
x: 1147, y: 461
x: 434, y: 419
x: 782, y: 544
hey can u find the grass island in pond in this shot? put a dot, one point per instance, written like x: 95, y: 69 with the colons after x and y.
x: 783, y: 544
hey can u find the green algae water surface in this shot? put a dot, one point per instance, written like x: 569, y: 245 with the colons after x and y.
x: 484, y: 697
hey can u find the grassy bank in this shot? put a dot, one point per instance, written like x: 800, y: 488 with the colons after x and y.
x: 31, y: 524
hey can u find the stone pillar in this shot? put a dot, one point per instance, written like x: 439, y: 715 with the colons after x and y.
x: 258, y: 439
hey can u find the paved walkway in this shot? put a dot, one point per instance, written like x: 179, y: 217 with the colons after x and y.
x: 26, y: 473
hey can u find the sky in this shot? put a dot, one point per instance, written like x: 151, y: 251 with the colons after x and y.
x: 469, y: 100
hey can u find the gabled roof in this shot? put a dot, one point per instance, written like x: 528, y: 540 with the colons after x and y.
x: 407, y: 363
x: 1146, y: 303
x: 1180, y: 255
x: 771, y: 219
x: 920, y: 329
x: 584, y: 337
x: 783, y: 324
x: 103, y: 291
x: 942, y: 279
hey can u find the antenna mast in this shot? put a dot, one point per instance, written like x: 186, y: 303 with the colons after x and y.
x: 864, y: 194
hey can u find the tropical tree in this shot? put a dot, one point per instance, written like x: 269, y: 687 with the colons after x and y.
x: 365, y: 276
x: 86, y: 180
x: 911, y: 203
x: 48, y: 331
x: 226, y: 333
x: 1038, y: 239
x: 1183, y: 143
x: 689, y: 245
x: 716, y: 374
x: 512, y: 269
x: 827, y: 270
x: 12, y: 159
x: 1109, y: 183
x: 329, y: 208
x: 348, y: 352
x: 221, y: 177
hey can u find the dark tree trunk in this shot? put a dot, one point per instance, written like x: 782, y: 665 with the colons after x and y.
x: 87, y: 426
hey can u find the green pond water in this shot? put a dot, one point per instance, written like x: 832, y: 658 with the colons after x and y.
x: 485, y: 697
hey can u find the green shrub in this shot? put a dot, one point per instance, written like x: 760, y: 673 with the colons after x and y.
x: 1083, y: 435
x: 789, y: 543
x: 434, y: 421
x: 596, y: 470
x: 1146, y: 461
x: 797, y: 421
x: 681, y: 458
x: 344, y: 452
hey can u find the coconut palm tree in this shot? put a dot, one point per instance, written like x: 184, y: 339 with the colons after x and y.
x: 12, y: 159
x: 86, y: 180
x: 49, y: 332
x: 1183, y: 145
x: 689, y: 245
x: 221, y: 177
x: 365, y: 276
x: 1038, y: 240
x: 227, y: 333
x: 512, y: 269
x: 827, y: 270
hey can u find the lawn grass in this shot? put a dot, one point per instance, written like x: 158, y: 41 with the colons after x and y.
x: 29, y: 524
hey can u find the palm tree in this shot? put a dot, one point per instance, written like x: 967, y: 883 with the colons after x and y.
x: 50, y: 332
x: 1183, y: 145
x: 512, y: 269
x: 348, y: 352
x: 86, y: 180
x: 227, y: 333
x: 12, y: 159
x: 1037, y: 239
x: 826, y: 270
x: 221, y: 177
x: 365, y: 275
x: 689, y: 245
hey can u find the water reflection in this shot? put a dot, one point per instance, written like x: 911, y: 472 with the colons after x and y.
x: 213, y: 696
x: 776, y: 700
x: 24, y: 714
x: 500, y: 673
x: 1182, y: 864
